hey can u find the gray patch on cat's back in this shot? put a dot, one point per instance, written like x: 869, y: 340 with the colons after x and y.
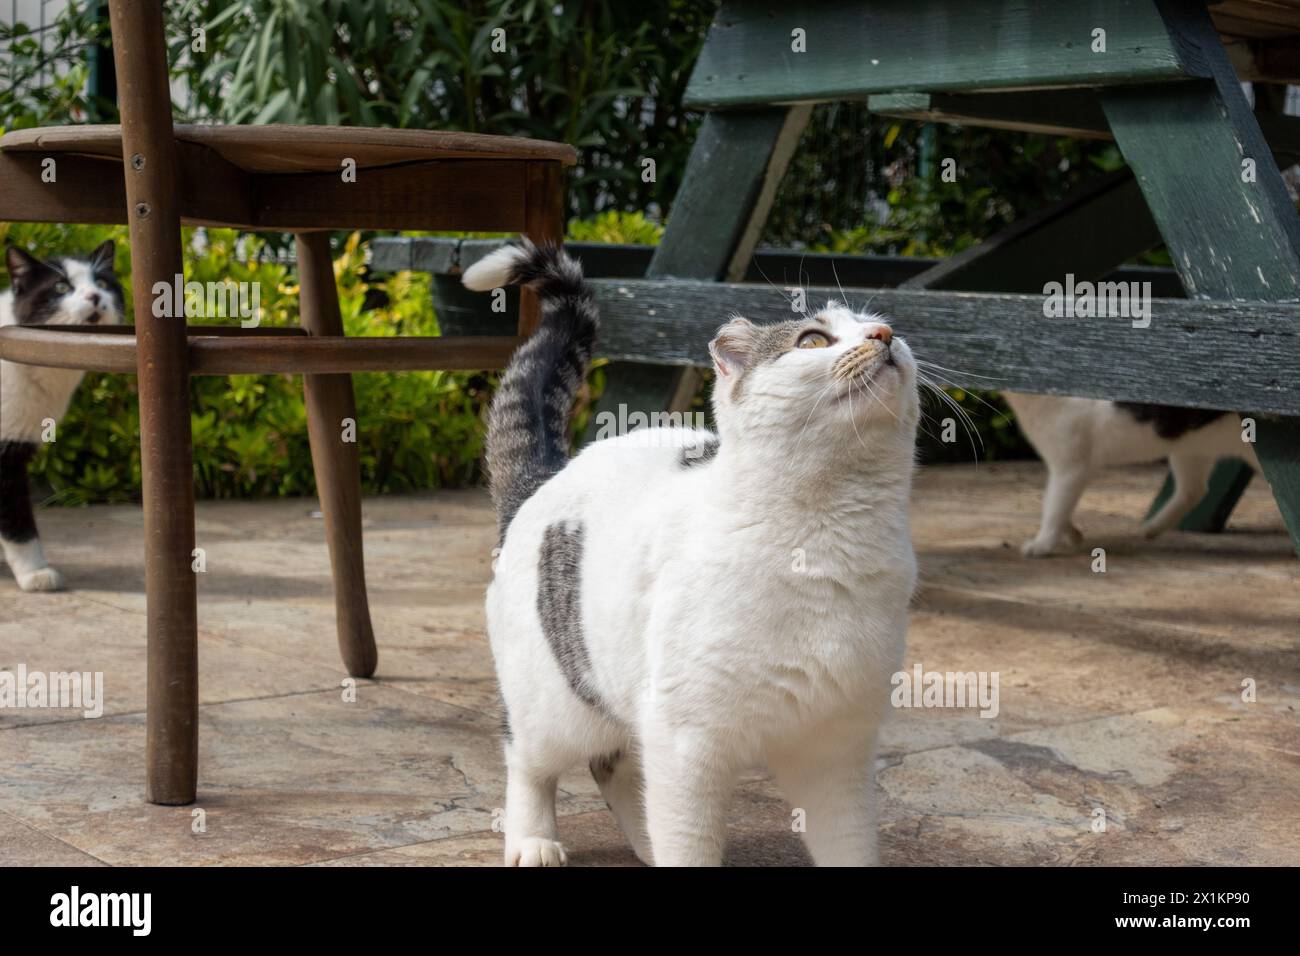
x: 559, y: 606
x: 699, y: 454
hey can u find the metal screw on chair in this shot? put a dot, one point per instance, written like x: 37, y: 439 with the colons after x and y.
x: 142, y: 210
x: 137, y: 162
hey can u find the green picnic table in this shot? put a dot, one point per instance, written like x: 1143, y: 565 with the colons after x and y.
x: 1162, y: 78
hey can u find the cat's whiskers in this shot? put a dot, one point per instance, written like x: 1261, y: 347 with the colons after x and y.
x: 783, y: 290
x: 954, y: 371
x: 937, y: 390
x: 931, y: 367
x: 921, y: 424
x: 951, y: 402
x: 807, y: 421
x: 967, y: 422
x: 972, y: 434
x: 865, y: 384
x: 853, y: 419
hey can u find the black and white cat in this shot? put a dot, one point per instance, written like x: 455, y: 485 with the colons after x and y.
x: 65, y: 291
x: 673, y: 606
x: 1077, y: 436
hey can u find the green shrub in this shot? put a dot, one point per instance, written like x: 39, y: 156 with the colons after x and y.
x: 617, y: 227
x: 44, y: 77
x: 604, y: 75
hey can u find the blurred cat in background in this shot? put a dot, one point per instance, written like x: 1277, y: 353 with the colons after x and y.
x: 1076, y: 437
x: 61, y: 291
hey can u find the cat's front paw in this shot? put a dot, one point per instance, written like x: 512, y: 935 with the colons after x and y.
x: 536, y: 851
x: 1046, y: 545
x: 43, y: 579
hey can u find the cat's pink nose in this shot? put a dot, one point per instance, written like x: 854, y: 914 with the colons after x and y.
x: 882, y: 332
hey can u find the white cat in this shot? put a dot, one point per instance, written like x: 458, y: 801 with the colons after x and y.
x: 675, y: 606
x: 1077, y: 436
x: 66, y: 291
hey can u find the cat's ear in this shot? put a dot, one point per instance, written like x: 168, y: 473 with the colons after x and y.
x: 733, y: 347
x: 101, y: 260
x: 23, y: 266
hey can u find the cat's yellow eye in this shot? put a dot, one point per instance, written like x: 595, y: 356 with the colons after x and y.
x: 62, y: 288
x: 102, y: 283
x: 813, y: 340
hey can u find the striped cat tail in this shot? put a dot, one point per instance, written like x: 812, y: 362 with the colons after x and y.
x: 528, y: 423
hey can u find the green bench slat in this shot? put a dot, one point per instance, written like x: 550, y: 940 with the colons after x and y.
x: 1225, y: 355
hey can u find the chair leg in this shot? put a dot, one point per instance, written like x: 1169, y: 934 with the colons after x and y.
x: 172, y: 709
x: 543, y: 222
x: 172, y: 721
x: 337, y: 463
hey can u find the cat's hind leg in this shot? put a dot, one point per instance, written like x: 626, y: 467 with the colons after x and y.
x: 532, y: 838
x: 22, y: 545
x: 1191, y: 482
x: 621, y: 784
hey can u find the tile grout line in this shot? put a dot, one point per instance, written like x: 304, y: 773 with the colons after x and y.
x: 141, y: 713
x: 371, y: 681
x: 52, y: 836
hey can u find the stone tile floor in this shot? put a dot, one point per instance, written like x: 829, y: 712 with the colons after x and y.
x: 1120, y: 692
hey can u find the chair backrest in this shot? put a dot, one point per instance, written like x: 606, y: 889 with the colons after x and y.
x: 153, y: 214
x: 148, y: 149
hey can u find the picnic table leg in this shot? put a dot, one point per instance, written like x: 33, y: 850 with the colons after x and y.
x: 1230, y: 478
x: 336, y: 461
x: 731, y: 177
x: 1215, y: 191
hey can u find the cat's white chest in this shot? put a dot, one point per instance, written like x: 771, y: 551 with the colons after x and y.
x: 786, y: 632
x: 34, y: 399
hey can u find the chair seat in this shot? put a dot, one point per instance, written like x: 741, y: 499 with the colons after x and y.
x: 290, y: 178
x: 227, y: 350
x: 299, y: 149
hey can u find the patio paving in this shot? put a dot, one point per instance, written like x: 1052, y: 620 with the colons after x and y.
x: 1120, y: 693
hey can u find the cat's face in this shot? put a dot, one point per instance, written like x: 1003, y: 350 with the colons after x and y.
x: 69, y: 291
x: 837, y: 375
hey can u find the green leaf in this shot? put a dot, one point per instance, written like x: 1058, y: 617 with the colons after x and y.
x: 272, y: 109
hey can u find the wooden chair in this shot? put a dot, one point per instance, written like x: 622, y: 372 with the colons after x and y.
x: 154, y: 176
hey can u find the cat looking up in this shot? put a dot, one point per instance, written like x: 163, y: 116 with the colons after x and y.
x: 673, y: 606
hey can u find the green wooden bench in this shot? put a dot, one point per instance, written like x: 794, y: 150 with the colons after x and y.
x: 645, y: 375
x: 1166, y: 86
x: 1160, y: 82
